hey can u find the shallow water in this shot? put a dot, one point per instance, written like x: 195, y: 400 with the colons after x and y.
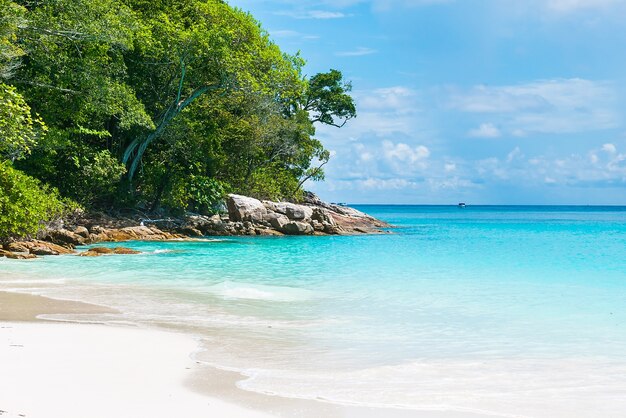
x: 514, y: 311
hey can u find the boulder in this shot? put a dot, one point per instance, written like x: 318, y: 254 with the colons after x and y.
x: 297, y: 228
x: 16, y: 247
x: 242, y: 208
x: 291, y: 210
x: 65, y: 238
x: 82, y: 231
x: 37, y: 247
x: 278, y: 221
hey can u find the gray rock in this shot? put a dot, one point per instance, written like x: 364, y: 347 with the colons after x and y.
x: 242, y: 208
x: 278, y: 221
x: 297, y: 228
x: 291, y: 210
x: 317, y: 226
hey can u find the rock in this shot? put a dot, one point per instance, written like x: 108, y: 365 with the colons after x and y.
x: 82, y: 231
x: 322, y: 216
x: 190, y: 231
x: 331, y: 229
x: 16, y: 247
x: 37, y: 247
x: 242, y: 208
x: 98, y: 251
x: 125, y: 251
x: 90, y: 254
x: 317, y: 226
x: 278, y: 221
x: 65, y: 238
x: 291, y: 210
x: 101, y: 250
x: 297, y: 228
x: 16, y: 256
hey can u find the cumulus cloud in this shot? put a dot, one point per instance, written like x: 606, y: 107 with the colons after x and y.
x: 405, y: 153
x: 485, y: 130
x: 610, y: 148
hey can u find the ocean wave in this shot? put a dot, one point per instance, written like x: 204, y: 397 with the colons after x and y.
x: 236, y: 290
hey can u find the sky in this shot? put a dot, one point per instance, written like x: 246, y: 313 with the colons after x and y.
x: 476, y: 101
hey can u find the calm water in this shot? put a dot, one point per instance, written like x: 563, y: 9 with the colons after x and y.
x: 514, y: 311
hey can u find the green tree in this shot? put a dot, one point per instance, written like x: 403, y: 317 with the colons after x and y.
x: 327, y: 99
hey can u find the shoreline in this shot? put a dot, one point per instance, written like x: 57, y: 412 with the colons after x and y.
x: 50, y: 363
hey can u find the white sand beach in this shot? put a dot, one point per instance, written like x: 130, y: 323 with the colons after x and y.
x: 52, y: 369
x: 76, y: 371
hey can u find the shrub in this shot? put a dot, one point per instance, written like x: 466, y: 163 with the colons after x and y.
x: 26, y: 205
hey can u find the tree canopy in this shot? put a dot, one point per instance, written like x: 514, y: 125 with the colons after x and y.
x: 158, y: 105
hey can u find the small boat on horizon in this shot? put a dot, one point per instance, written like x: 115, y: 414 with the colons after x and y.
x: 462, y: 205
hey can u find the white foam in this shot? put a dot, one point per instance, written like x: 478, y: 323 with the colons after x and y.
x: 235, y: 290
x: 524, y: 387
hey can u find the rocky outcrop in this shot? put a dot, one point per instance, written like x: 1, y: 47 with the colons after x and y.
x: 31, y: 249
x: 131, y: 233
x: 249, y: 216
x: 246, y: 216
x: 98, y: 251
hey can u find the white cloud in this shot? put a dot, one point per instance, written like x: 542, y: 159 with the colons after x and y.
x: 358, y: 52
x: 485, y: 130
x: 547, y: 106
x: 610, y: 148
x: 386, y: 184
x: 404, y: 153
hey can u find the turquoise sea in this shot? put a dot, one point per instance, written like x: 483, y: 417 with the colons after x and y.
x: 508, y: 310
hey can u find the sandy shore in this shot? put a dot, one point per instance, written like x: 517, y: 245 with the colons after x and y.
x: 68, y: 370
x: 52, y: 370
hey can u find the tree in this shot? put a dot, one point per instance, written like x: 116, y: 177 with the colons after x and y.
x: 327, y: 99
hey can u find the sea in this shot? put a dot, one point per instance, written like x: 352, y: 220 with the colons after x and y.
x: 511, y: 311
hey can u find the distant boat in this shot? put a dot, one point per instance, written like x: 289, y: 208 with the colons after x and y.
x: 462, y: 205
x: 342, y: 204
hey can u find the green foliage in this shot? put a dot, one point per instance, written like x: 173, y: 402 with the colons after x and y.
x: 159, y: 104
x: 328, y: 100
x: 11, y: 15
x: 18, y: 129
x: 25, y: 204
x: 82, y: 170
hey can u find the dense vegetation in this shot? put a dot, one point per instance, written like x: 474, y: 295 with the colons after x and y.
x: 158, y: 105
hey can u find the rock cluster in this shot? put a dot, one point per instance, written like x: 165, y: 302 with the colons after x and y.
x: 64, y: 240
x: 246, y: 216
x: 249, y: 216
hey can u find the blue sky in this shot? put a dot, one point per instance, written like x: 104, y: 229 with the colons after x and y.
x: 482, y: 101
